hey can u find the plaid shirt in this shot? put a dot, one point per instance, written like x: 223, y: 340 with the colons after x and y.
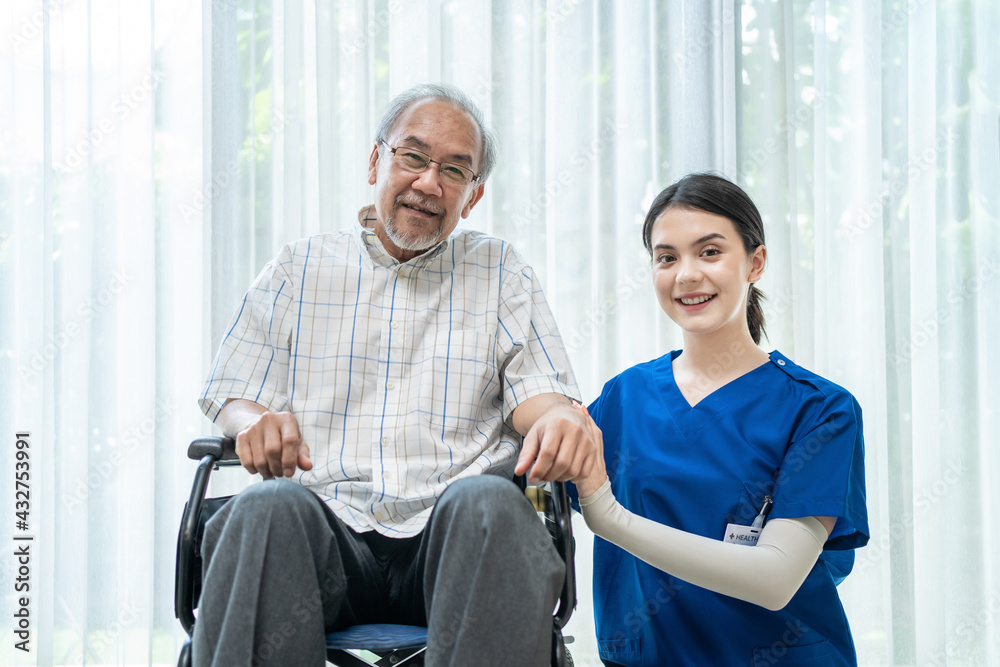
x: 403, y: 377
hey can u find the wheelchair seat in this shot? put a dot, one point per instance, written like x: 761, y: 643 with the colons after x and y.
x: 376, y: 644
x: 392, y: 644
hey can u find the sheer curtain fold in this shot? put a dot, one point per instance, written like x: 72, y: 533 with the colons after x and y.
x: 94, y: 187
x: 154, y: 155
x: 985, y: 207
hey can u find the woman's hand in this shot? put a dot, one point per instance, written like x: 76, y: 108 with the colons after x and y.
x: 589, y: 484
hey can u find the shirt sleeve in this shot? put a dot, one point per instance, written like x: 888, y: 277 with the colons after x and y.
x: 252, y: 361
x: 823, y: 471
x: 535, y: 360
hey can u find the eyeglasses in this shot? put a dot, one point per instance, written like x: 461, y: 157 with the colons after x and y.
x: 417, y: 162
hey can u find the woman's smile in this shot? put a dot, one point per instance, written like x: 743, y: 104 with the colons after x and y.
x: 695, y: 303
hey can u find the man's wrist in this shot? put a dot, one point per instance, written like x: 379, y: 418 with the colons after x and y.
x: 533, y: 408
x: 239, y: 414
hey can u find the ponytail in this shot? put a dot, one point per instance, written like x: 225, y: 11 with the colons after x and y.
x: 755, y: 315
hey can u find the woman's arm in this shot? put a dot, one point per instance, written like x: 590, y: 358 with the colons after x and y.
x: 768, y: 574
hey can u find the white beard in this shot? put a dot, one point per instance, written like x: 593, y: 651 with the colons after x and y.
x: 421, y: 239
x: 413, y: 241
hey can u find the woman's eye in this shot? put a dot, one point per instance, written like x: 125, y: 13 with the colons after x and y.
x: 663, y: 259
x: 711, y: 252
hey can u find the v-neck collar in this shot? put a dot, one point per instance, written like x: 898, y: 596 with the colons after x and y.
x: 688, y: 418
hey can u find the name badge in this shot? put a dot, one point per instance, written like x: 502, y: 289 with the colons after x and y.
x: 746, y: 535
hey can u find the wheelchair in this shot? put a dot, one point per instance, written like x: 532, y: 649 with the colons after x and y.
x: 373, y: 644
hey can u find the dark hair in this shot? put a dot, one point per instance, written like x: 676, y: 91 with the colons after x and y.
x: 715, y: 194
x: 453, y: 96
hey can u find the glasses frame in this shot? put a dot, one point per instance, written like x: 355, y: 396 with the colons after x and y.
x: 393, y: 149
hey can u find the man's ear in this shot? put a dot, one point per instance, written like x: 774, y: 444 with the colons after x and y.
x: 474, y: 198
x: 373, y: 165
x: 757, y: 262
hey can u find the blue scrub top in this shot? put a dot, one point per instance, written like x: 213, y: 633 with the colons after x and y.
x: 779, y: 430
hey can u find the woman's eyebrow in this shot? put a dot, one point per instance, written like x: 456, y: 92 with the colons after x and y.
x: 703, y: 239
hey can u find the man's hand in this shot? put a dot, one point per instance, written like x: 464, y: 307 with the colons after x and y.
x: 558, y: 445
x: 267, y: 442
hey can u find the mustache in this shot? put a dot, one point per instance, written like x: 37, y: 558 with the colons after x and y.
x: 415, y: 200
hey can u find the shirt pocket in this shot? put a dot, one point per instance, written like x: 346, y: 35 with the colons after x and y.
x: 457, y: 374
x: 749, y: 501
x: 780, y: 654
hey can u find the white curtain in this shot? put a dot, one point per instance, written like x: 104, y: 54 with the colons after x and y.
x: 153, y: 155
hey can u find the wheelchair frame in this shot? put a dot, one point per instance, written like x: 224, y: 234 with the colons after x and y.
x: 214, y: 452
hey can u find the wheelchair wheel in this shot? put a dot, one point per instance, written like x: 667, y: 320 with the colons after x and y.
x: 184, y: 659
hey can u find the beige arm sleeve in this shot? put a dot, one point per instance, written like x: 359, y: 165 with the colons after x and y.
x: 768, y: 574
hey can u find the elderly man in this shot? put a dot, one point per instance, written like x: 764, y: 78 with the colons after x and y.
x: 391, y: 372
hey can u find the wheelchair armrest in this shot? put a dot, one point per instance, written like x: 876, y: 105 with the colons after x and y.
x: 210, y: 452
x: 222, y: 450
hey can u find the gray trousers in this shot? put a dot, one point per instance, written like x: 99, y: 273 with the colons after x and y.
x: 281, y: 571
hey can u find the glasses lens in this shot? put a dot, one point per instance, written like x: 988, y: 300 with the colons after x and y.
x: 455, y: 173
x: 415, y: 161
x: 411, y: 159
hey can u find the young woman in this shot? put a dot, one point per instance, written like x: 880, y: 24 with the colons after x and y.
x: 733, y: 493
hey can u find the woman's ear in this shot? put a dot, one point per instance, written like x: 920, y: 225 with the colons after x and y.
x: 758, y: 259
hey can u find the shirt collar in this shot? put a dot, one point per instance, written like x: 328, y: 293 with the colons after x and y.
x: 375, y: 252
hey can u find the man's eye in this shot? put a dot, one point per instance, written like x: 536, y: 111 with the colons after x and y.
x: 453, y: 171
x: 415, y: 159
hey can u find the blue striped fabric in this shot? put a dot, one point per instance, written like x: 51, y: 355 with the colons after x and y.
x: 402, y: 376
x: 378, y: 637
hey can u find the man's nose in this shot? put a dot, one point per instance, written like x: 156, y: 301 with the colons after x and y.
x: 429, y: 180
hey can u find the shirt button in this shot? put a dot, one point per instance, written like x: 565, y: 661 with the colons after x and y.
x: 781, y: 362
x: 386, y: 441
x: 394, y: 325
x: 378, y: 516
x: 390, y: 385
x: 386, y: 475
